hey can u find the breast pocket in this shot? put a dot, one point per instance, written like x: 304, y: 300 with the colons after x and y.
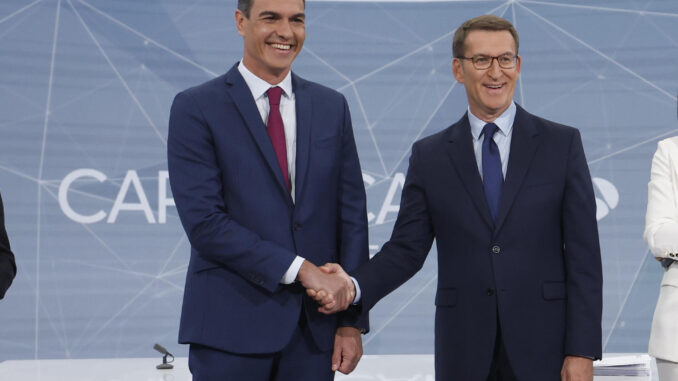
x: 540, y: 185
x: 325, y: 163
x: 328, y: 143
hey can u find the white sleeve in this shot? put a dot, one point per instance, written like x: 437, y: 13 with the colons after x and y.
x: 661, y: 220
x: 291, y: 274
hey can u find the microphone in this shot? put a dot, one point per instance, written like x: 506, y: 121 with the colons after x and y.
x: 161, y: 349
x: 165, y: 364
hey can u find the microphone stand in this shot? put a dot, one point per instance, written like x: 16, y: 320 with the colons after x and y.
x: 166, y: 364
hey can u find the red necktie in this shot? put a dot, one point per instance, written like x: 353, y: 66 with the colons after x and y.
x: 276, y: 131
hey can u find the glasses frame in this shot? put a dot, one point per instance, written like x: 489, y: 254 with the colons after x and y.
x: 492, y: 58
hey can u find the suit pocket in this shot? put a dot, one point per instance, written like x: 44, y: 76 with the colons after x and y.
x: 554, y: 290
x: 540, y: 185
x: 446, y: 297
x: 329, y: 142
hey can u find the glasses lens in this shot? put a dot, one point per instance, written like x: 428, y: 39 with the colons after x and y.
x: 506, y: 61
x: 481, y: 62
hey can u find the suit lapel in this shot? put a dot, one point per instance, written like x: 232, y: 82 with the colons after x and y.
x: 304, y: 105
x: 464, y: 160
x: 242, y: 97
x: 524, y: 143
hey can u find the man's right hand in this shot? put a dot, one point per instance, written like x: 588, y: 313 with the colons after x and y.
x: 332, y: 289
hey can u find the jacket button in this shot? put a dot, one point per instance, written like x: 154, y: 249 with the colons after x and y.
x: 297, y: 226
x: 496, y: 249
x: 490, y: 291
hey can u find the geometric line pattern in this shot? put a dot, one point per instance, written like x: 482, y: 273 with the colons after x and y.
x: 87, y: 85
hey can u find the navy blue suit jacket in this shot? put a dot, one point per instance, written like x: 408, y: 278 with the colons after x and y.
x: 243, y: 227
x: 538, y: 266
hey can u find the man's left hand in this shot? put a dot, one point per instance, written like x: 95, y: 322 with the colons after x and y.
x: 333, y: 302
x: 348, y: 348
x: 333, y: 290
x: 577, y: 368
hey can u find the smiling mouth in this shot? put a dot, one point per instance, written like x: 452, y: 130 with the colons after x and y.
x: 495, y: 87
x: 281, y: 46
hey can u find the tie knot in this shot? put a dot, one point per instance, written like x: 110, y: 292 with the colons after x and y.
x: 489, y: 130
x: 274, y: 94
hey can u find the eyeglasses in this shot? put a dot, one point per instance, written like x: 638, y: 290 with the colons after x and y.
x: 480, y: 62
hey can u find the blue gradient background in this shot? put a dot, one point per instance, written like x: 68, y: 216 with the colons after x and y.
x: 89, y: 83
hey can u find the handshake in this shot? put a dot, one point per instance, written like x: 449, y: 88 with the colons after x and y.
x: 329, y: 285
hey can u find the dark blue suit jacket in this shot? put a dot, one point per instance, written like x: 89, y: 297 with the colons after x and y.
x: 241, y: 222
x: 538, y: 266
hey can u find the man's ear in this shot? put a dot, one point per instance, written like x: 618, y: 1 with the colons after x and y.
x: 458, y: 70
x: 518, y: 62
x: 240, y: 20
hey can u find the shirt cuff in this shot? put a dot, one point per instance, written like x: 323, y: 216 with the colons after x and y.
x: 291, y: 274
x: 356, y: 300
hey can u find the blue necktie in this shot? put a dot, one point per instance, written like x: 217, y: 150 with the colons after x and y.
x: 492, y: 176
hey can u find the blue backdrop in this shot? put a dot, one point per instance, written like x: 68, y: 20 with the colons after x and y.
x: 85, y: 91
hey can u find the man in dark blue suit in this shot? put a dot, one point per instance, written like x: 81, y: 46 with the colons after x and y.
x: 266, y: 179
x: 7, y: 264
x: 508, y: 198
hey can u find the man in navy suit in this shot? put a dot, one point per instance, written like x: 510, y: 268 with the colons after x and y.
x: 508, y: 198
x: 7, y: 264
x: 267, y: 183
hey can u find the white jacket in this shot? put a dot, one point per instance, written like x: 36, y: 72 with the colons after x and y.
x: 661, y: 234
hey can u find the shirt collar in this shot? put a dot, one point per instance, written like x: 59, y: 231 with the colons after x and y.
x: 259, y: 87
x: 504, y: 122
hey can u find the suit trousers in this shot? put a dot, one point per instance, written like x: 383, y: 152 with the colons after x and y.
x: 300, y: 360
x: 500, y: 370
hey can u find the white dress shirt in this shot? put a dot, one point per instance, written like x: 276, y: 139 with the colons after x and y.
x: 288, y: 111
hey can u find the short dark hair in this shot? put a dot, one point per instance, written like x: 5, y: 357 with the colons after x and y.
x: 245, y: 5
x: 484, y: 22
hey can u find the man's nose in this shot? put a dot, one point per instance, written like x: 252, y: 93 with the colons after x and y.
x: 494, y: 70
x: 284, y: 29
